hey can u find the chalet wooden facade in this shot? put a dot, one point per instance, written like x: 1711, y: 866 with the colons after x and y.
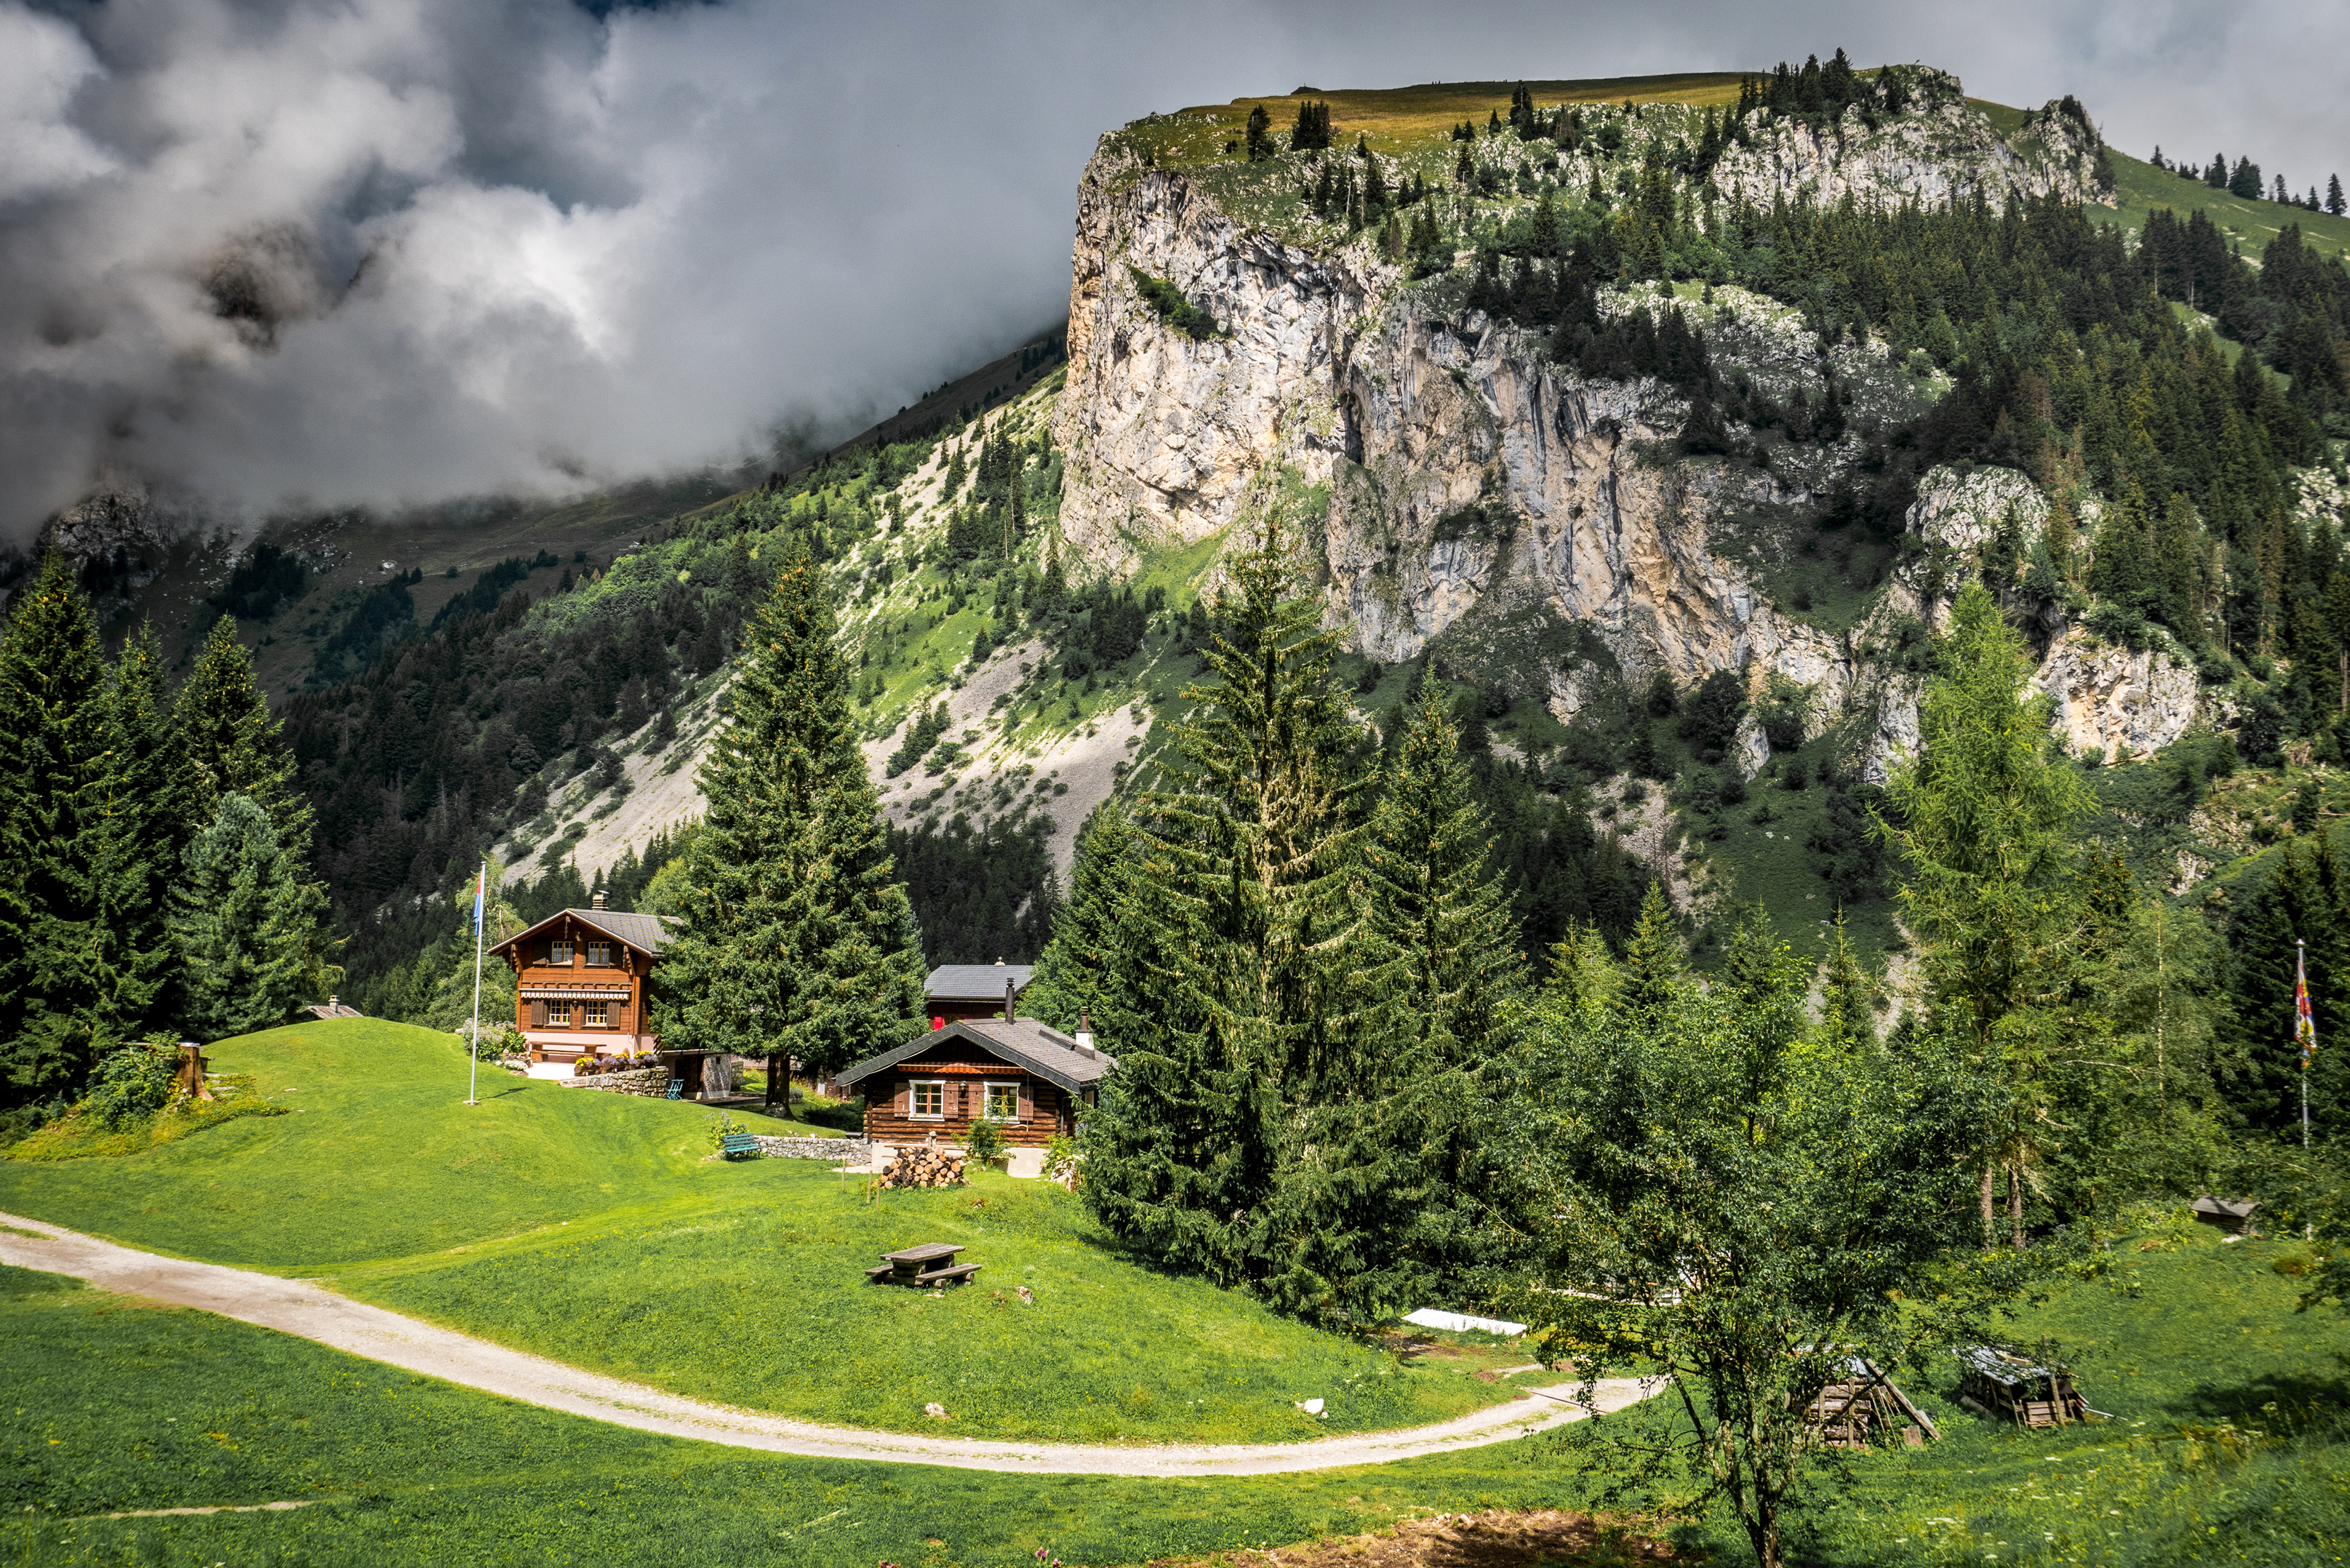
x: 1031, y: 1081
x: 584, y: 981
x: 961, y: 991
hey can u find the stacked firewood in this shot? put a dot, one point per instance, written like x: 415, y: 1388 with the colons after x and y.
x: 924, y: 1167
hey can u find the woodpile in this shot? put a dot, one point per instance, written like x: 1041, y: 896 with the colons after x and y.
x: 924, y: 1167
x: 1867, y: 1410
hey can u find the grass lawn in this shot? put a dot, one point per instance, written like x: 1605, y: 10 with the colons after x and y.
x: 588, y: 1228
x: 107, y: 1405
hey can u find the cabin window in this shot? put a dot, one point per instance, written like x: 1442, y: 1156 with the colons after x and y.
x: 558, y: 952
x: 930, y: 1100
x: 592, y: 1014
x: 559, y: 1014
x: 600, y: 955
x: 1004, y: 1102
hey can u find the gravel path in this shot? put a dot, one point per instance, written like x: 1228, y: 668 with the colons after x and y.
x: 307, y: 1309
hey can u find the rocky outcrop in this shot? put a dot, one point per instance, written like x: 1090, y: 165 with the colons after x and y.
x: 1459, y: 487
x: 1930, y: 156
x: 2124, y: 704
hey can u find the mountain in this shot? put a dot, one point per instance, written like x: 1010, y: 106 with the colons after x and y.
x: 1658, y: 421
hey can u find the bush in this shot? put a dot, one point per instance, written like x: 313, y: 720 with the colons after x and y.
x: 985, y: 1142
x: 133, y: 1084
x: 1173, y: 307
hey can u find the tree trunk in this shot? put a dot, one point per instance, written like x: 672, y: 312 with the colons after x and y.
x: 1990, y: 1203
x: 2015, y: 1203
x: 1764, y: 1532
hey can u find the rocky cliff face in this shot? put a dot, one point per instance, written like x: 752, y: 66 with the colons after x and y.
x: 1471, y: 491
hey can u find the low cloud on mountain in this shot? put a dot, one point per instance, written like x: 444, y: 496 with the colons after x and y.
x: 391, y: 250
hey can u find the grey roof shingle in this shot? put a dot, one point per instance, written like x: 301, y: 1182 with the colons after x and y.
x: 976, y: 981
x: 1048, y: 1052
x: 646, y: 933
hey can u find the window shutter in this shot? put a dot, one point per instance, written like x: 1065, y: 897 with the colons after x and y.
x: 538, y: 1015
x: 910, y: 1096
x: 1028, y: 1102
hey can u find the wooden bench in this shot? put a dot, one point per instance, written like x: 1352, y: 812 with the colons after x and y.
x: 954, y: 1276
x: 740, y: 1146
x: 882, y: 1272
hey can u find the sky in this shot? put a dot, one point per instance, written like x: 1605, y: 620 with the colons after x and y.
x: 286, y: 255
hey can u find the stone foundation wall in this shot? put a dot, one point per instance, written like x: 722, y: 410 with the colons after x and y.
x: 651, y: 1083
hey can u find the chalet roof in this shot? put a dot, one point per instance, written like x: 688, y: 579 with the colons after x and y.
x: 976, y: 981
x: 646, y: 933
x: 1025, y: 1042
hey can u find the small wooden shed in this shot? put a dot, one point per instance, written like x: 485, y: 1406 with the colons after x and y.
x: 2003, y: 1387
x: 2232, y: 1215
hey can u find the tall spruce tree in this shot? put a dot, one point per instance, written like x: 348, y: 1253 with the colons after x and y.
x: 150, y: 789
x: 1231, y: 1015
x: 798, y: 938
x: 64, y: 993
x: 1444, y: 965
x: 245, y: 918
x: 1074, y: 972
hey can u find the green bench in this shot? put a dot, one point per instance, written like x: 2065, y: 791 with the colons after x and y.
x: 740, y: 1146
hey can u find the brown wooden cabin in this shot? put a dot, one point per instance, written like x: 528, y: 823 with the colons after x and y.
x: 1030, y: 1080
x: 960, y: 991
x: 583, y: 982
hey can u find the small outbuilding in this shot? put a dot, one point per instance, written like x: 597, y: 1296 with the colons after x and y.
x: 2004, y: 1387
x: 2232, y: 1215
x: 960, y: 991
x: 1031, y: 1081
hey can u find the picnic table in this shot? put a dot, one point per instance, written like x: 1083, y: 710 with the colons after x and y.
x: 931, y: 1264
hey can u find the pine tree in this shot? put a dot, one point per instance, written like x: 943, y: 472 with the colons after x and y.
x: 1847, y: 1000
x: 1260, y: 135
x: 1582, y: 978
x: 1653, y: 959
x: 797, y: 937
x: 1231, y: 1015
x: 234, y: 741
x: 150, y: 789
x: 245, y: 921
x: 1074, y: 970
x: 2334, y: 200
x: 59, y: 968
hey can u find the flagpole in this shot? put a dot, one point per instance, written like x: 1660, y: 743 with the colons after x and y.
x: 474, y: 1074
x: 2304, y: 1029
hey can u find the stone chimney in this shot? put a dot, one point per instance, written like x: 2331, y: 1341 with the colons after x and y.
x: 1011, y: 1002
x: 1086, y: 1031
x: 596, y: 900
x: 333, y: 1003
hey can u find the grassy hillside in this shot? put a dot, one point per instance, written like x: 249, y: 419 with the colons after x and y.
x: 2139, y: 188
x: 2226, y: 1447
x: 589, y: 1228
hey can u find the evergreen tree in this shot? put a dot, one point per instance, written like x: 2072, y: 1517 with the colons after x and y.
x: 151, y: 784
x: 1988, y: 830
x: 797, y: 937
x: 1076, y: 969
x: 65, y: 996
x: 244, y: 921
x: 1312, y: 131
x: 2334, y: 200
x: 1235, y: 1137
x: 1582, y: 978
x: 1260, y: 135
x: 1847, y: 1000
x: 233, y: 741
x: 1653, y: 959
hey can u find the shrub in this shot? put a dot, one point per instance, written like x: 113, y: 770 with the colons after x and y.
x: 1061, y: 1161
x: 1173, y: 307
x: 985, y: 1142
x: 132, y: 1084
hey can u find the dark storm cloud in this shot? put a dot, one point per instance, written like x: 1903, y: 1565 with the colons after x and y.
x: 393, y: 250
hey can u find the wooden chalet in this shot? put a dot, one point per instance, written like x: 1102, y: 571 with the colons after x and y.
x: 583, y: 982
x: 1031, y: 1081
x: 960, y: 991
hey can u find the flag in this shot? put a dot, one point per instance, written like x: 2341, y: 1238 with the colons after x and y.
x: 2304, y: 1023
x: 481, y: 891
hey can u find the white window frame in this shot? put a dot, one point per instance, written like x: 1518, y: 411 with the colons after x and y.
x: 914, y: 1087
x: 600, y: 955
x: 595, y: 1014
x: 558, y: 1014
x: 558, y: 952
x: 987, y: 1102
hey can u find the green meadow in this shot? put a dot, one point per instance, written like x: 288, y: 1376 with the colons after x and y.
x: 593, y: 1229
